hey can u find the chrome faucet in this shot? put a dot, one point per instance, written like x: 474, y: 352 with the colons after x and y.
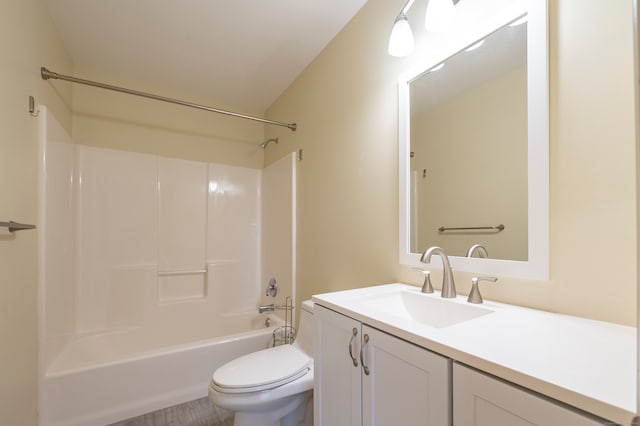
x: 265, y: 308
x: 448, y: 284
x: 479, y: 248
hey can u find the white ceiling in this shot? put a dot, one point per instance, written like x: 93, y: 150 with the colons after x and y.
x: 243, y: 53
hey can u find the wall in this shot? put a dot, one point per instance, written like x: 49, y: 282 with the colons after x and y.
x: 27, y: 42
x: 345, y: 103
x: 120, y: 121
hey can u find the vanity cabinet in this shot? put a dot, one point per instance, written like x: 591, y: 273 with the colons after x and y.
x: 482, y: 400
x: 367, y: 377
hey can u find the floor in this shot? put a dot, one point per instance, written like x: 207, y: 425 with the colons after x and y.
x: 200, y: 412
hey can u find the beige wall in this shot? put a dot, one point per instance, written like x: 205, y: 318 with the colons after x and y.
x: 345, y: 104
x: 27, y: 42
x: 470, y: 169
x: 121, y: 121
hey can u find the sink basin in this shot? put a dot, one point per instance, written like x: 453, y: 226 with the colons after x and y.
x: 425, y: 309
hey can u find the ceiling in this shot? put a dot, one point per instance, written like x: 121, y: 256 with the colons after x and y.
x: 242, y: 53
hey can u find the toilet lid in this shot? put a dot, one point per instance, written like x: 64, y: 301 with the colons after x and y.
x: 262, y: 370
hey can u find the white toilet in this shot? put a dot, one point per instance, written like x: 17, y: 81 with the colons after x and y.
x: 271, y: 387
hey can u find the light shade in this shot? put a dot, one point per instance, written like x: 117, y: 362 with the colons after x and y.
x: 401, y: 40
x: 440, y: 15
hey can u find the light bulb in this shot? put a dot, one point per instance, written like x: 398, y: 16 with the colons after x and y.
x: 440, y: 14
x: 401, y: 40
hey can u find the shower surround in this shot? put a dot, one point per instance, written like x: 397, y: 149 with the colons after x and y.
x: 150, y: 274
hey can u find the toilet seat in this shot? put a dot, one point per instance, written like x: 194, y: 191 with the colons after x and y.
x: 262, y: 370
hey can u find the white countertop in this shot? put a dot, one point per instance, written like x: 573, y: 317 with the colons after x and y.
x: 587, y: 364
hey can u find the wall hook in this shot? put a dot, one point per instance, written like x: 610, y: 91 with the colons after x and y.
x: 32, y: 107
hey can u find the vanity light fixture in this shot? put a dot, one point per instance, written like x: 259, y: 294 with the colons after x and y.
x: 440, y: 14
x: 401, y: 40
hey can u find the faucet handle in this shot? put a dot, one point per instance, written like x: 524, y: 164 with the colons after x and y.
x: 426, y: 285
x: 474, y: 294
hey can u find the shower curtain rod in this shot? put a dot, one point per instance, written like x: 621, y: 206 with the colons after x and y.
x: 46, y: 75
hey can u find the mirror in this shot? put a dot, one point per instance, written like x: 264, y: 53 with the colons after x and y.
x: 474, y: 149
x: 468, y: 150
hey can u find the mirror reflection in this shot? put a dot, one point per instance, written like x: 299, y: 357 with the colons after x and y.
x: 468, y: 144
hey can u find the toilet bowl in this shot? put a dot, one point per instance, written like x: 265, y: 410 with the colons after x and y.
x: 271, y: 387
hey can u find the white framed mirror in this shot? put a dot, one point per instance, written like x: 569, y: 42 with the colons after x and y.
x: 454, y: 175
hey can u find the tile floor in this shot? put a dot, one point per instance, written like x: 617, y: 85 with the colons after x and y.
x: 200, y: 412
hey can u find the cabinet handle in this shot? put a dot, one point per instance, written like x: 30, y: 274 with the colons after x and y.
x: 364, y: 367
x: 353, y: 336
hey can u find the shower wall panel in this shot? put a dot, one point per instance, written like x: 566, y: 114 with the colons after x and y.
x: 182, y: 187
x: 163, y: 242
x: 117, y: 237
x: 279, y: 229
x: 56, y: 233
x: 233, y: 237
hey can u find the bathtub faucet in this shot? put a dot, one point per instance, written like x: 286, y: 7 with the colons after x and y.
x: 265, y: 308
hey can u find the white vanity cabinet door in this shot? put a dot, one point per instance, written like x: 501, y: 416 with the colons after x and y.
x: 337, y: 381
x: 403, y: 384
x: 481, y: 400
x: 406, y: 385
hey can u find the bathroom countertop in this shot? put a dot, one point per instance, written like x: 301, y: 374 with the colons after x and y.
x: 584, y: 363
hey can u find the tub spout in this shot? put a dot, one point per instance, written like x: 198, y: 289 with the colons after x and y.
x: 265, y: 308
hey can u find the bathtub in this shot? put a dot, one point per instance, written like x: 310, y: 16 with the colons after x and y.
x: 136, y: 310
x: 99, y: 379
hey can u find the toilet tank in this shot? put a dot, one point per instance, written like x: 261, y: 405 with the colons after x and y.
x: 304, y: 336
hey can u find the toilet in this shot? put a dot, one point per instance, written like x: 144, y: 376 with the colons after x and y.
x: 271, y: 387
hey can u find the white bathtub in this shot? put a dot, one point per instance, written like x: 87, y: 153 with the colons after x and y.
x: 136, y: 310
x: 104, y: 378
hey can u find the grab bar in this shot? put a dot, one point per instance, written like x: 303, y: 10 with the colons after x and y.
x: 15, y: 226
x: 187, y: 272
x: 473, y: 228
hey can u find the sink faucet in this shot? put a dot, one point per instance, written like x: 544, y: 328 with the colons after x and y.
x: 474, y: 295
x: 477, y: 248
x: 448, y: 284
x: 426, y: 285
